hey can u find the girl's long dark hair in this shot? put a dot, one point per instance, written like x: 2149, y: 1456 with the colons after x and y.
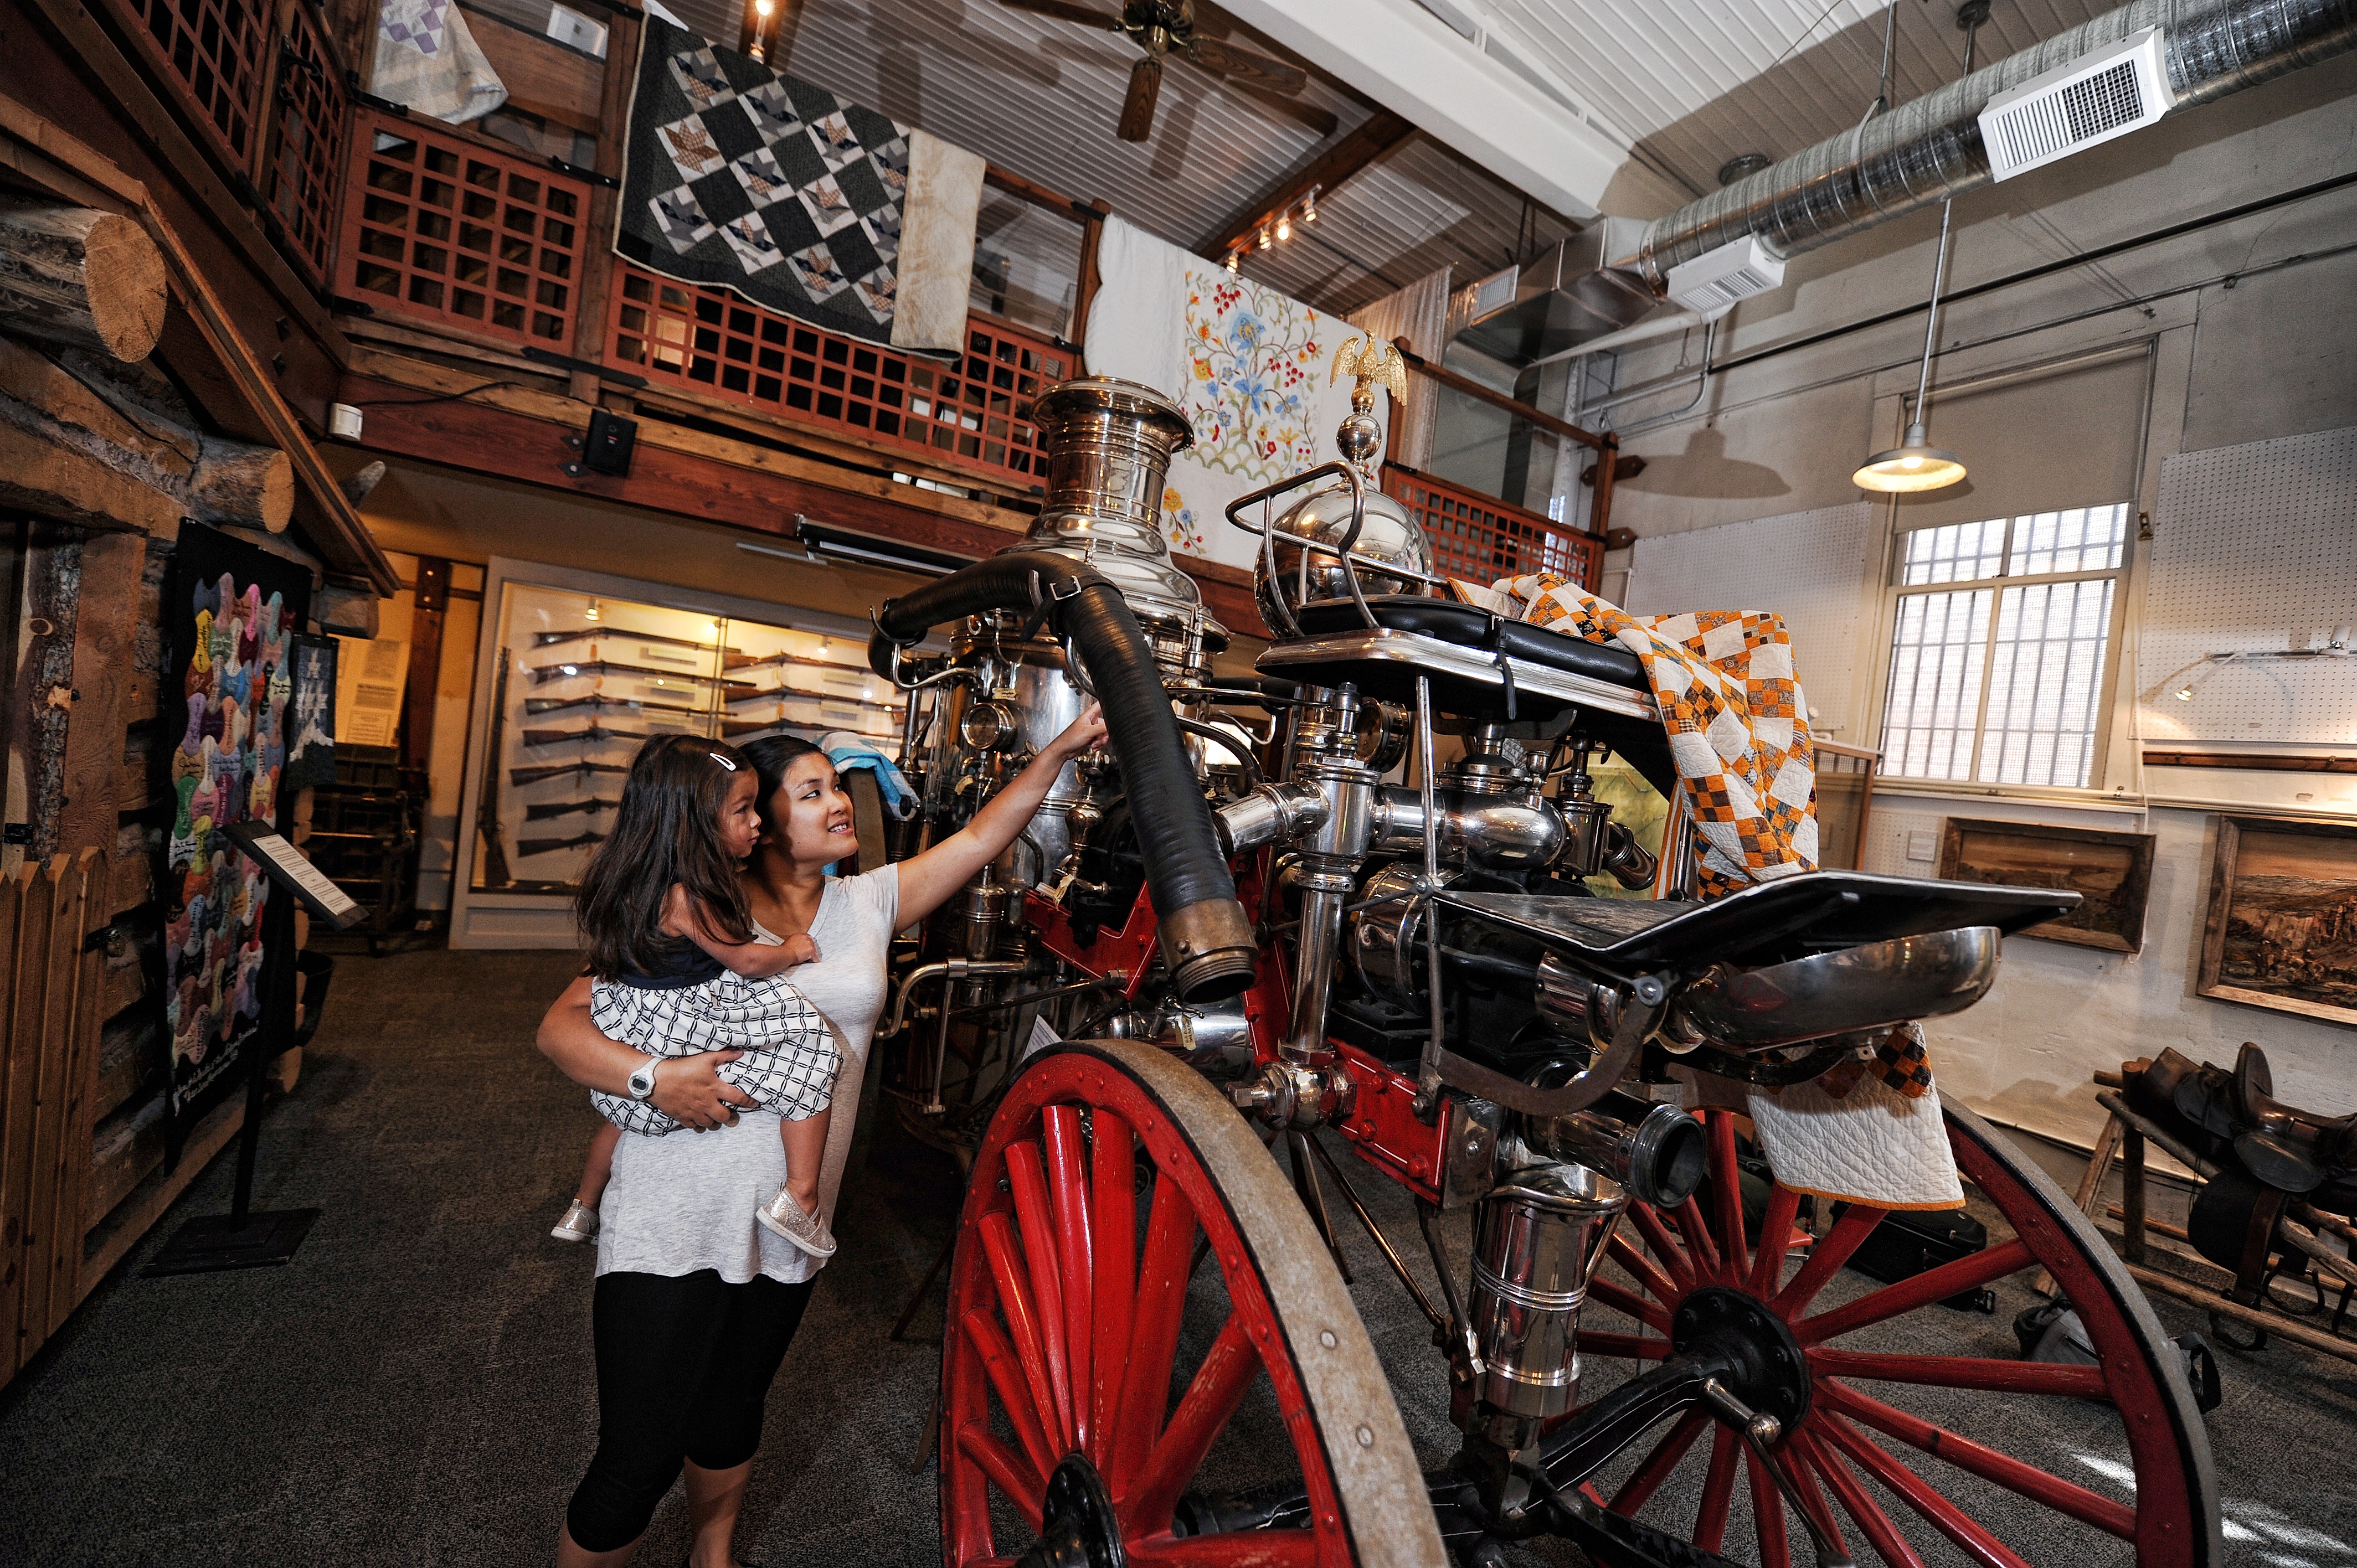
x: 666, y: 831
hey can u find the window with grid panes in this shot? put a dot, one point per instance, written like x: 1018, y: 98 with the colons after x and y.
x: 2001, y: 644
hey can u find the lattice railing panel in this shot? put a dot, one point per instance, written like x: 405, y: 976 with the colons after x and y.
x: 217, y: 51
x: 972, y: 412
x: 442, y: 229
x: 303, y: 158
x: 1481, y: 539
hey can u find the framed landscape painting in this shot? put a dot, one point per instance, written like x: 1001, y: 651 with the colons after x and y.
x: 2282, y: 931
x: 2110, y: 871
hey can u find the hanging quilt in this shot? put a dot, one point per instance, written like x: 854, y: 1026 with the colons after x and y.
x: 1738, y: 724
x: 1251, y: 368
x: 233, y: 614
x: 745, y: 178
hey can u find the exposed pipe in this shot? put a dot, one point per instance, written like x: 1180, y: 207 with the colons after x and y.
x: 1930, y: 151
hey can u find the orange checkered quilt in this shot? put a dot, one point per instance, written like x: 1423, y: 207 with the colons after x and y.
x: 1737, y: 723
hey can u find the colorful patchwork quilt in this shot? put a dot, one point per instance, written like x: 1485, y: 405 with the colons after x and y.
x: 1738, y: 723
x: 747, y: 178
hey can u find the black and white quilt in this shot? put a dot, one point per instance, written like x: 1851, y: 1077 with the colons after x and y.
x: 744, y: 177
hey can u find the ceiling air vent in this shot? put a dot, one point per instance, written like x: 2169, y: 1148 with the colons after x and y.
x: 1710, y: 284
x: 2118, y: 89
x: 1495, y: 291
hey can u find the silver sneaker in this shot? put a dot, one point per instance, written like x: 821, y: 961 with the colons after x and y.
x: 579, y: 1224
x: 785, y: 1216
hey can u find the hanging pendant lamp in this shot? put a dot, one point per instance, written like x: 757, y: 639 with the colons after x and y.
x: 1915, y: 464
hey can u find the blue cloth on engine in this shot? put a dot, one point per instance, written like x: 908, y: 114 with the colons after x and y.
x: 847, y: 748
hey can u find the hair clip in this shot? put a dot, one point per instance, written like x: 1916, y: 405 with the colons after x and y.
x: 722, y: 760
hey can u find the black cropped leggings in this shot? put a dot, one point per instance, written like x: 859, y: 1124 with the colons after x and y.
x: 684, y: 1369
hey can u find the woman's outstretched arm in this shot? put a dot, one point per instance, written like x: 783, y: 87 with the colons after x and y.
x: 929, y: 878
x: 687, y: 1089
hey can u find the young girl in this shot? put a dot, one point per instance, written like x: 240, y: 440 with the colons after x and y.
x: 678, y: 965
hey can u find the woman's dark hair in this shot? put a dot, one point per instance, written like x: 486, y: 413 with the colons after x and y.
x: 771, y: 756
x: 666, y: 831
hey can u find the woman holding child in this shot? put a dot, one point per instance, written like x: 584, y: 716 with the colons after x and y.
x: 708, y: 1243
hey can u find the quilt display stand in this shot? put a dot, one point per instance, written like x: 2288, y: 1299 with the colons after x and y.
x: 245, y: 1239
x: 2125, y: 1137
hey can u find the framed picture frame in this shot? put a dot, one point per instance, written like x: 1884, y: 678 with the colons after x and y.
x: 2112, y: 872
x: 2282, y: 927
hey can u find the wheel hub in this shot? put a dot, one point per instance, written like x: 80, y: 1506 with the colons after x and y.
x: 1767, y: 1369
x: 1077, y: 1528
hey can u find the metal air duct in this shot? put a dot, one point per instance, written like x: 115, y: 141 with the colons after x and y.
x: 1917, y: 155
x: 1927, y: 151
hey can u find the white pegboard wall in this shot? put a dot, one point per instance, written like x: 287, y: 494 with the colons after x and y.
x: 1817, y: 569
x: 2253, y: 549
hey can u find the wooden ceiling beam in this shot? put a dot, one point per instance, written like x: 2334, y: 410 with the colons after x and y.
x: 1375, y: 139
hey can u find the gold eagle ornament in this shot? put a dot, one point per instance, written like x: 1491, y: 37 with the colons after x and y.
x: 1373, y: 363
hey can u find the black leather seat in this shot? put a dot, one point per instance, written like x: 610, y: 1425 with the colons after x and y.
x: 1467, y: 626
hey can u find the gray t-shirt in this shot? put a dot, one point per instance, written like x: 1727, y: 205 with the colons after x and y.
x: 685, y: 1202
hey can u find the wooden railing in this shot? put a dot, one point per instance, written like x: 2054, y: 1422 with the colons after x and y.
x: 261, y: 82
x: 1481, y: 539
x: 445, y: 231
x: 970, y: 411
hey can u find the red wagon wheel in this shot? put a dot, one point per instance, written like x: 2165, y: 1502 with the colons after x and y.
x: 1067, y: 1295
x: 1853, y: 1448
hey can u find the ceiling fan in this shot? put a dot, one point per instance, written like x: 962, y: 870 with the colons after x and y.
x: 1170, y: 27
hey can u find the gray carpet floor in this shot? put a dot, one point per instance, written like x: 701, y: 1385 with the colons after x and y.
x: 417, y: 1388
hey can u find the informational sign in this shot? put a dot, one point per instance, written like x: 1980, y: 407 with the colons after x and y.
x: 369, y: 679
x: 292, y: 871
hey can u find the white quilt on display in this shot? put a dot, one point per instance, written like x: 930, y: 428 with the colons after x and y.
x: 1248, y: 365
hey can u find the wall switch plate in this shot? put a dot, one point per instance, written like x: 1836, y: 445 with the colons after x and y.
x: 1920, y: 845
x: 575, y: 31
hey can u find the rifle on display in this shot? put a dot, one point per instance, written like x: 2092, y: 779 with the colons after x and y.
x: 594, y: 732
x: 535, y: 774
x: 487, y: 813
x: 565, y: 809
x: 559, y: 705
x: 550, y: 846
x: 588, y: 634
x: 543, y: 673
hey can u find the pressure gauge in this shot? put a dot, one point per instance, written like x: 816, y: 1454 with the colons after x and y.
x: 988, y: 726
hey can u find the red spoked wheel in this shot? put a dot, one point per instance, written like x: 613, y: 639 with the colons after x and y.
x: 1108, y: 1174
x: 1855, y: 1449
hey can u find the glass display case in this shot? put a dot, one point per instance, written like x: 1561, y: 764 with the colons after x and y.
x: 575, y: 673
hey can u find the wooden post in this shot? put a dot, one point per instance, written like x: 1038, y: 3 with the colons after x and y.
x: 432, y: 596
x: 74, y: 275
x: 1090, y: 280
x: 2090, y: 1185
x: 2132, y: 1192
x: 597, y: 282
x: 1600, y: 517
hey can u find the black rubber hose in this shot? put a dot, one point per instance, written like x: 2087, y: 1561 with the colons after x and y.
x: 1211, y: 954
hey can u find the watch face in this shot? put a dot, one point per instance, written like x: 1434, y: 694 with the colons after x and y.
x: 642, y: 1082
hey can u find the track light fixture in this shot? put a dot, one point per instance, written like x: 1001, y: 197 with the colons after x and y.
x: 1309, y: 206
x: 1236, y: 261
x: 1264, y: 236
x: 1284, y: 225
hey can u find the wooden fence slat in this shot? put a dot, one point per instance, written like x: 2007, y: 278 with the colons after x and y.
x: 19, y: 1096
x: 53, y: 1054
x: 77, y: 1077
x: 13, y: 891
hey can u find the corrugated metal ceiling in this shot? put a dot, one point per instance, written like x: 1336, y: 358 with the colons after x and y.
x: 1690, y: 83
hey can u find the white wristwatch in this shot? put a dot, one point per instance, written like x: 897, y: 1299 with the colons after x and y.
x: 642, y: 1081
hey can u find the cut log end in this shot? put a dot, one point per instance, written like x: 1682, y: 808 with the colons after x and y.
x: 127, y: 299
x: 77, y: 275
x: 237, y: 483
